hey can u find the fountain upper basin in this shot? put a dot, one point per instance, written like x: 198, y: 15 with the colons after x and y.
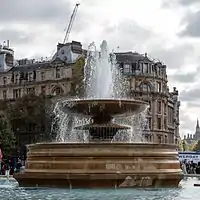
x: 110, y: 107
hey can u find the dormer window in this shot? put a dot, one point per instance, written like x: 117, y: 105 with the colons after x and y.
x: 62, y: 51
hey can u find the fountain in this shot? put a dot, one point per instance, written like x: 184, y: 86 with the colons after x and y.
x: 100, y: 161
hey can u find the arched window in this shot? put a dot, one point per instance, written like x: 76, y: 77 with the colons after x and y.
x: 145, y: 87
x: 57, y: 91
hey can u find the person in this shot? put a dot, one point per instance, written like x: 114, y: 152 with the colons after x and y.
x: 7, y: 166
x: 198, y: 168
x: 18, y: 166
x: 3, y: 168
x: 184, y: 168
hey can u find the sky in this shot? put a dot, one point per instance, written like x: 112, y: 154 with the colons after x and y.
x: 167, y: 30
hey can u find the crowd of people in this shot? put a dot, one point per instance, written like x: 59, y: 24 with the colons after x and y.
x: 11, y: 166
x: 189, y: 167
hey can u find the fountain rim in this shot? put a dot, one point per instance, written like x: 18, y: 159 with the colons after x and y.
x: 129, y: 103
x: 102, y: 144
x: 103, y: 100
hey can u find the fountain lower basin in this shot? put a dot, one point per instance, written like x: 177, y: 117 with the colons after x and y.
x: 101, y: 165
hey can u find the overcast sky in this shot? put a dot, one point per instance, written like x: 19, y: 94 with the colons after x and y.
x: 167, y: 29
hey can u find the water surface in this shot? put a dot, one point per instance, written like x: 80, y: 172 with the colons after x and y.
x: 186, y: 192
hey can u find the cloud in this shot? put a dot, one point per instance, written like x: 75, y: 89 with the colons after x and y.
x: 127, y: 34
x: 174, y: 57
x: 191, y: 22
x: 190, y: 95
x: 42, y: 11
x: 17, y: 36
x: 177, y: 3
x: 184, y: 77
x: 187, y: 123
x: 187, y: 2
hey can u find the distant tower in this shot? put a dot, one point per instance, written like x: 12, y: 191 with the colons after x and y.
x: 197, y: 132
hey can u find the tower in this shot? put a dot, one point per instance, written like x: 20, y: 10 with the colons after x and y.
x: 197, y: 132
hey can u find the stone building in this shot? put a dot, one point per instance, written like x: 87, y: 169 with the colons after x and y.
x: 50, y: 77
x: 148, y: 82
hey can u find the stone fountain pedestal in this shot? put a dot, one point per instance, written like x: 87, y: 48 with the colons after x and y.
x: 102, y: 165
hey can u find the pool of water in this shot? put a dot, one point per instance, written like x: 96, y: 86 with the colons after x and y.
x: 187, y: 191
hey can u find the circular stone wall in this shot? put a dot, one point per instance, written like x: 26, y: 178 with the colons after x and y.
x: 109, y: 165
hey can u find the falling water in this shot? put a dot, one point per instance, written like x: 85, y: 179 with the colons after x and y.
x: 138, y: 124
x: 102, y: 79
x: 64, y: 125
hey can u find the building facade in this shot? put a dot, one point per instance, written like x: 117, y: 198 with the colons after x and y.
x: 52, y: 77
x: 147, y: 81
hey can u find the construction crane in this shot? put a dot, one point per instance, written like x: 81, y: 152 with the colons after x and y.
x: 69, y: 28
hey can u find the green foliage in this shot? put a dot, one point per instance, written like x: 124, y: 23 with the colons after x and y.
x: 184, y: 146
x: 31, y: 115
x: 180, y: 145
x: 197, y: 146
x: 7, y: 137
x: 77, y: 85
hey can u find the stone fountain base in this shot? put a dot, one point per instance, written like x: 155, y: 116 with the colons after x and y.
x: 105, y: 165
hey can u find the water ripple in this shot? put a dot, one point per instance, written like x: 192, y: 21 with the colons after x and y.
x: 186, y: 192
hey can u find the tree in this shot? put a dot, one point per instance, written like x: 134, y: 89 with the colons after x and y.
x: 185, y: 146
x: 197, y: 146
x: 30, y: 118
x: 7, y: 138
x: 77, y: 86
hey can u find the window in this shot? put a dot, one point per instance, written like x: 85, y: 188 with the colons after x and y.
x: 159, y: 107
x: 159, y: 124
x: 149, y: 106
x: 165, y: 124
x: 4, y: 80
x: 58, y: 75
x: 4, y: 94
x: 42, y: 76
x: 159, y: 139
x: 149, y: 123
x: 166, y: 140
x: 126, y: 68
x: 43, y: 90
x: 145, y: 68
x: 158, y: 87
x: 30, y: 76
x: 16, y: 78
x: 31, y: 90
x: 146, y: 87
x: 133, y: 66
x: 58, y: 91
x: 165, y: 108
x: 170, y: 115
x: 16, y: 93
x: 34, y: 75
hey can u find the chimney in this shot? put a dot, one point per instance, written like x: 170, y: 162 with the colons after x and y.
x: 8, y: 43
